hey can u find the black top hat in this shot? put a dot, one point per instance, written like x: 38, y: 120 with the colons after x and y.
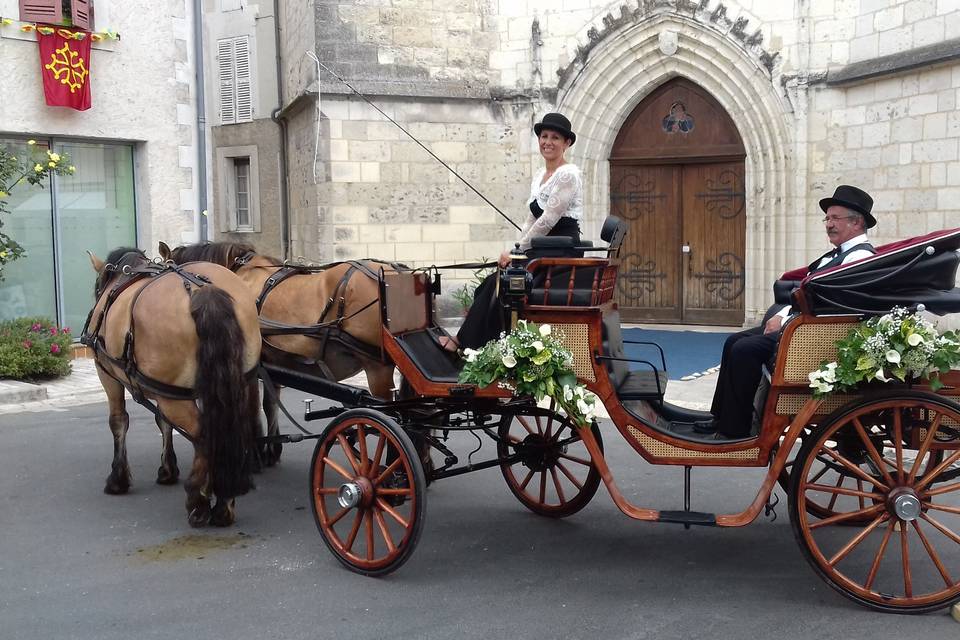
x: 556, y: 122
x: 854, y: 199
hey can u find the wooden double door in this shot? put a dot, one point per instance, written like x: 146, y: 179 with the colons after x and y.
x: 683, y: 257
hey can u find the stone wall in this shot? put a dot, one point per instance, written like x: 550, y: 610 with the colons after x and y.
x: 768, y: 63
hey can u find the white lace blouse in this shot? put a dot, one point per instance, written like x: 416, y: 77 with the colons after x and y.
x: 561, y: 195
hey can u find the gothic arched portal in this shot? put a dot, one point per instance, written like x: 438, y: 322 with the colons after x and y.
x: 677, y: 178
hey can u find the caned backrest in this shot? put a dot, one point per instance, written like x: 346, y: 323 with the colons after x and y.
x: 809, y: 345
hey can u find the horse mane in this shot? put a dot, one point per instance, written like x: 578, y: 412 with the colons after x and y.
x: 118, y: 258
x: 222, y: 253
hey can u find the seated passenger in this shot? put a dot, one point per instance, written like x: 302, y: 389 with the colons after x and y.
x: 556, y: 208
x: 744, y: 354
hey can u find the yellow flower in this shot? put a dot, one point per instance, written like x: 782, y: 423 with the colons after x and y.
x: 52, y: 164
x: 3, y: 254
x: 72, y: 169
x: 38, y: 168
x: 7, y: 22
x: 54, y: 156
x: 3, y: 194
x: 31, y: 142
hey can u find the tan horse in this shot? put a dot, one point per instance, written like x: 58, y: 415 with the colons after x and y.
x: 343, y: 299
x: 184, y: 345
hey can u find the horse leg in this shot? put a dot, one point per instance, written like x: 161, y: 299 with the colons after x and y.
x: 118, y: 482
x: 187, y: 416
x: 270, y: 452
x: 224, y: 513
x: 379, y: 379
x: 169, y: 472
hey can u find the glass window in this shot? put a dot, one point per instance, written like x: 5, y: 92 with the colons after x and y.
x: 91, y: 210
x: 95, y: 212
x: 28, y: 287
x: 241, y: 171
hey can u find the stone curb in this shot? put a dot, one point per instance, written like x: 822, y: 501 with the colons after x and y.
x: 16, y: 392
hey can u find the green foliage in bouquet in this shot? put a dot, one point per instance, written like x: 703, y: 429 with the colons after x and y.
x: 531, y: 361
x: 34, y: 348
x: 897, y: 346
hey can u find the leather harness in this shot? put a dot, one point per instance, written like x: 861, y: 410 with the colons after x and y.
x: 138, y: 383
x: 326, y: 331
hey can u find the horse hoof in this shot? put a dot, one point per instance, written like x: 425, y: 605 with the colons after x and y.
x: 116, y: 486
x: 199, y: 517
x: 167, y: 477
x: 222, y: 518
x: 271, y: 454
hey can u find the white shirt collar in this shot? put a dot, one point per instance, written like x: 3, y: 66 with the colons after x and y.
x: 852, y: 242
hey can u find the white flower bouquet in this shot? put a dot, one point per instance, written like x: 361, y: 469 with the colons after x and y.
x: 531, y: 361
x: 897, y: 346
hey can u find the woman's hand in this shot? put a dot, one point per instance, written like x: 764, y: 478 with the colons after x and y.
x: 504, y: 260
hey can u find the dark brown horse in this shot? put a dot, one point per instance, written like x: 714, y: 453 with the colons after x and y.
x: 184, y: 343
x: 335, y: 308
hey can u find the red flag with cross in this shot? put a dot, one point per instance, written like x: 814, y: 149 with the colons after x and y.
x: 65, y: 66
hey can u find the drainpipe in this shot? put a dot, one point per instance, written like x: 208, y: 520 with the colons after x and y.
x: 200, y: 220
x: 278, y: 117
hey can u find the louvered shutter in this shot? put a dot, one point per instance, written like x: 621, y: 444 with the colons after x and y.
x: 244, y: 93
x: 81, y: 12
x: 49, y: 11
x: 228, y: 114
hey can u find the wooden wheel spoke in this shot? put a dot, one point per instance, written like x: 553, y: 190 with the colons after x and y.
x: 933, y: 555
x: 855, y: 469
x: 351, y: 538
x: 382, y: 525
x: 836, y: 494
x: 386, y: 472
x: 523, y: 422
x: 876, y: 560
x: 402, y: 491
x: 860, y: 497
x: 822, y: 472
x: 943, y: 507
x: 326, y: 491
x: 898, y: 441
x: 930, y: 477
x: 348, y: 452
x: 336, y: 467
x: 947, y: 488
x: 842, y: 517
x: 362, y: 441
x: 371, y: 547
x: 567, y: 456
x: 570, y: 476
x: 556, y: 484
x: 850, y: 546
x: 336, y: 518
x: 378, y: 453
x: 905, y: 558
x: 543, y: 487
x: 843, y: 491
x: 526, y: 480
x: 924, y: 447
x: 548, y: 432
x: 941, y: 528
x: 872, y: 451
x: 390, y: 511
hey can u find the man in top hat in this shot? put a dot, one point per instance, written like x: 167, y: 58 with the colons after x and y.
x: 848, y: 216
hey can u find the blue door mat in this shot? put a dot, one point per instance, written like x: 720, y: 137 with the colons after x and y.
x: 689, y: 354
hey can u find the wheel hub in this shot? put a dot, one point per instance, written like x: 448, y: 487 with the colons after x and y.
x: 349, y: 495
x: 537, y: 453
x: 905, y: 504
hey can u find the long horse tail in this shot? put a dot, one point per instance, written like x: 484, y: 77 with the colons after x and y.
x: 223, y: 392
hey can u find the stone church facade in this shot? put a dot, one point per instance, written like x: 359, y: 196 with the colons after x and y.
x: 712, y: 126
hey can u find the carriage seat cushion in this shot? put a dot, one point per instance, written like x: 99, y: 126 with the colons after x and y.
x: 428, y: 355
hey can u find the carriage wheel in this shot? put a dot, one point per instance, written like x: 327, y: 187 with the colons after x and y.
x: 554, y: 475
x: 892, y: 542
x: 367, y: 488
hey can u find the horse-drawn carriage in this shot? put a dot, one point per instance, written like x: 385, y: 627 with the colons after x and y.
x: 871, y: 476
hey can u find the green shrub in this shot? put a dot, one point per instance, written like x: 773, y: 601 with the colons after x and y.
x: 34, y: 348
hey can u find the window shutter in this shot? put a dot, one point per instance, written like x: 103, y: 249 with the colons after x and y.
x: 228, y: 113
x: 81, y: 11
x: 244, y: 91
x: 49, y: 11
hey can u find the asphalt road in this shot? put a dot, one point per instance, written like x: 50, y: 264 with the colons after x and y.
x: 76, y: 563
